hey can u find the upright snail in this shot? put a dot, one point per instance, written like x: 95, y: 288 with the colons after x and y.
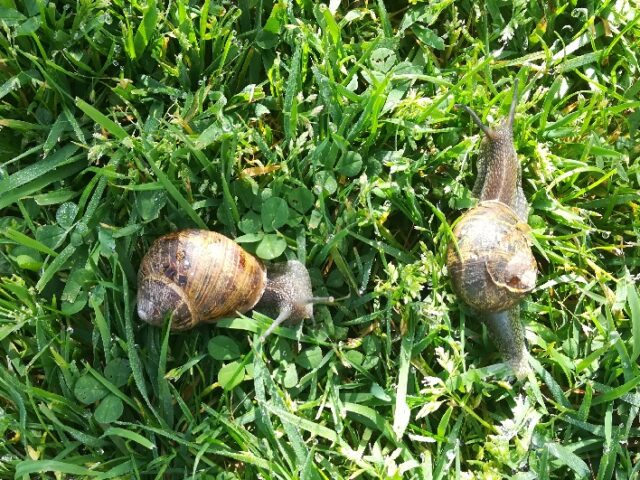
x: 490, y: 262
x: 201, y: 276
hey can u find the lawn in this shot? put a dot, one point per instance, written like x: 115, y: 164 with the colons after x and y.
x: 327, y: 134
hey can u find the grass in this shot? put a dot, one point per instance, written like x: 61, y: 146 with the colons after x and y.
x: 328, y: 134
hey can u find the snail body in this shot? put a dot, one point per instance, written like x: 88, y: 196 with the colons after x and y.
x: 199, y: 276
x: 490, y: 262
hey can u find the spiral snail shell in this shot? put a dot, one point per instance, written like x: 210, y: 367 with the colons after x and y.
x: 493, y: 266
x: 199, y: 276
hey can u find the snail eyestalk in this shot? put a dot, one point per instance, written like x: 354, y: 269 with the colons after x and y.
x: 286, y: 313
x: 322, y: 300
x: 282, y: 317
x: 474, y: 116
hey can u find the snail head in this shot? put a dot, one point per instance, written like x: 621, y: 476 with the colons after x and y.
x: 288, y: 291
x: 505, y: 129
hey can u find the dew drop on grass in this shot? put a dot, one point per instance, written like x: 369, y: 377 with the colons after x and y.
x: 115, y: 63
x: 70, y: 330
x: 108, y: 19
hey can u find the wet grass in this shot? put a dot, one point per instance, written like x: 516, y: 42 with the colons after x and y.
x: 326, y: 134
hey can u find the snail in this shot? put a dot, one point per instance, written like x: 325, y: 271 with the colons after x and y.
x: 201, y: 276
x: 490, y: 262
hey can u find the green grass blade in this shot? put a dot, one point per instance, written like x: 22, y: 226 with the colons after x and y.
x: 28, y: 467
x: 109, y: 125
x: 633, y: 301
x: 568, y: 458
x: 173, y: 191
x: 129, y: 435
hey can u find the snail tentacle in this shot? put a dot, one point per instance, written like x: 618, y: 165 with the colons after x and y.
x: 284, y: 314
x: 474, y: 116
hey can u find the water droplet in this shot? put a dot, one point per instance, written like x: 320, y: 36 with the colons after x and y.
x: 69, y: 330
x: 115, y: 63
x: 108, y: 19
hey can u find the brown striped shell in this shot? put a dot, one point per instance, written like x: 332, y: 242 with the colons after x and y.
x: 493, y: 267
x: 197, y: 276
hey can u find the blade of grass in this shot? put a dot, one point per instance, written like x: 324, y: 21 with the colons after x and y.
x: 106, y: 123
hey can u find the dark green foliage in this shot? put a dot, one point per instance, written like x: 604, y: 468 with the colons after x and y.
x: 325, y: 133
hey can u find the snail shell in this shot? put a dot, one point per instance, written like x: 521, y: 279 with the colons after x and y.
x: 493, y: 267
x: 197, y: 276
